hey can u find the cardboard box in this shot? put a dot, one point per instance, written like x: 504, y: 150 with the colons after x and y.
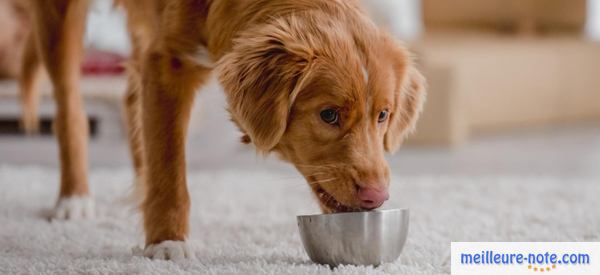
x: 548, y: 15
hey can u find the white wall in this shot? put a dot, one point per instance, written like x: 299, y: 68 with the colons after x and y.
x: 107, y: 28
x: 402, y: 17
x: 592, y: 27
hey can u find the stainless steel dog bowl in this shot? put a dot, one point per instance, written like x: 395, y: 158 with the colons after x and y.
x: 358, y: 238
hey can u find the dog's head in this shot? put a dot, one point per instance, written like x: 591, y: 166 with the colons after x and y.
x: 330, y: 98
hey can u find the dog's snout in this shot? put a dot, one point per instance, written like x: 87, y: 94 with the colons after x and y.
x: 371, y: 198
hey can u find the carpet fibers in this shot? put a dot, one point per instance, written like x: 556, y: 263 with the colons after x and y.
x: 243, y: 222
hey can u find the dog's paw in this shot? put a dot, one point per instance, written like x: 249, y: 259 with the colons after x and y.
x: 169, y: 250
x: 74, y: 208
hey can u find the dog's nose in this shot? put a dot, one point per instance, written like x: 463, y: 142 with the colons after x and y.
x: 371, y: 198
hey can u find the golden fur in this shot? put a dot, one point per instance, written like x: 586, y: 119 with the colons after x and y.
x: 281, y: 63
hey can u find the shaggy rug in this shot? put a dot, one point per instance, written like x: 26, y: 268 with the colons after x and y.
x: 243, y: 222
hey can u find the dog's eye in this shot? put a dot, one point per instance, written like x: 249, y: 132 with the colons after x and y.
x: 383, y: 116
x: 330, y: 116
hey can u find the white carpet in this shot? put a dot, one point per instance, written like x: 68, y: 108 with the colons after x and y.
x: 244, y: 222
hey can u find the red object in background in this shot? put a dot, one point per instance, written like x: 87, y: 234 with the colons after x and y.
x: 102, y: 63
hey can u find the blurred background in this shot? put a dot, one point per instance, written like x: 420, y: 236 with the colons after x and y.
x: 514, y: 90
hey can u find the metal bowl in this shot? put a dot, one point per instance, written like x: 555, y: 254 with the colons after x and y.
x: 357, y: 238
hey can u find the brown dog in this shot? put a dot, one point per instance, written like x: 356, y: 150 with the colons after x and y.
x: 314, y: 81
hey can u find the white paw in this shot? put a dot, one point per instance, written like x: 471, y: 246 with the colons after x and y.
x: 74, y: 208
x: 169, y: 250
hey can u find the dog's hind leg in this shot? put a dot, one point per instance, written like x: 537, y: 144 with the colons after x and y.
x: 133, y: 105
x: 133, y: 117
x: 141, y: 17
x: 28, y: 85
x: 59, y: 28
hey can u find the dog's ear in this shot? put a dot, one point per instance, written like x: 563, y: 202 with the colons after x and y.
x: 262, y: 76
x: 408, y: 103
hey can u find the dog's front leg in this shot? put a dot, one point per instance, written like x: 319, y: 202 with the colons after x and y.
x: 169, y: 84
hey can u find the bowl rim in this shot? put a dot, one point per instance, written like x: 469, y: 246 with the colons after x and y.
x: 372, y: 212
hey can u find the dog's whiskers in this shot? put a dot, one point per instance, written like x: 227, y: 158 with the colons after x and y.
x: 322, y: 180
x: 324, y: 165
